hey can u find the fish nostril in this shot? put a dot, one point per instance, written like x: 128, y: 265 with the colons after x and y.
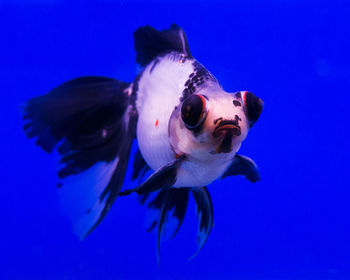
x: 217, y: 120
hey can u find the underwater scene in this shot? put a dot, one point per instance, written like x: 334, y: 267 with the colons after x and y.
x: 175, y: 139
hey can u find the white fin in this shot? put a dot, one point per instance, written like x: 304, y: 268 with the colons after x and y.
x: 80, y: 196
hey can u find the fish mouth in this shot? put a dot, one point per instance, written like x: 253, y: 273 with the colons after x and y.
x: 225, y: 131
x: 227, y: 127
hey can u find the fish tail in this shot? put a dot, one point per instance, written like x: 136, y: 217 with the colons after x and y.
x: 91, y: 121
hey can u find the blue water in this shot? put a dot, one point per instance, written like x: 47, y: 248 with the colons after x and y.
x: 294, y: 224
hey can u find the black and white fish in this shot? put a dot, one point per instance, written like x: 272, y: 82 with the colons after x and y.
x: 188, y: 131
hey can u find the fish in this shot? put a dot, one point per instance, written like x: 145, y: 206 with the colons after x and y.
x: 186, y: 128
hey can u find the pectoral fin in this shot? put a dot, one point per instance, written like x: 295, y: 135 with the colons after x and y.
x: 242, y: 165
x: 164, y: 177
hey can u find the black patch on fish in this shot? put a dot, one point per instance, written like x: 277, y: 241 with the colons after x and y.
x: 216, y: 121
x: 226, y: 144
x: 135, y: 89
x: 155, y: 62
x: 238, y: 95
x: 237, y: 119
x: 185, y: 94
x: 237, y: 103
x: 197, y: 130
x: 195, y: 80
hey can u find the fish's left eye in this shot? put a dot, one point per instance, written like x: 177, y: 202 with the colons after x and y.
x: 193, y: 111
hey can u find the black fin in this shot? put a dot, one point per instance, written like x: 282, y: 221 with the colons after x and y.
x: 140, y: 167
x: 150, y: 43
x: 242, y: 165
x: 94, y: 122
x: 205, y: 215
x: 162, y: 178
x: 176, y: 199
x: 163, y: 217
x: 167, y: 200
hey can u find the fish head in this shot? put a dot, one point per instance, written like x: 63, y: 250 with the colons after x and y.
x: 213, y: 122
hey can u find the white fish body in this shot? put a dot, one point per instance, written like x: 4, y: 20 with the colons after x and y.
x: 160, y: 89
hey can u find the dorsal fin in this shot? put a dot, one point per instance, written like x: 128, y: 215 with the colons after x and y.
x: 150, y: 43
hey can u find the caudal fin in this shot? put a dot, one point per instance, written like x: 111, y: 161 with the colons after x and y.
x: 91, y: 121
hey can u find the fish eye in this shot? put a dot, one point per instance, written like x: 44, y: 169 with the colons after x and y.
x: 193, y: 111
x: 254, y: 106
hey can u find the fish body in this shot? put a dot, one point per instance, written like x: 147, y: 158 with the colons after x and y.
x: 188, y: 130
x: 162, y: 86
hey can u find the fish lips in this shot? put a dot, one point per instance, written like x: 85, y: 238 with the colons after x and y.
x: 226, y: 130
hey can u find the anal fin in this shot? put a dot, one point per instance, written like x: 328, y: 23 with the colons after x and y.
x: 175, y: 201
x: 205, y: 215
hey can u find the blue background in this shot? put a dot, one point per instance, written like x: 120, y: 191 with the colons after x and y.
x: 294, y: 224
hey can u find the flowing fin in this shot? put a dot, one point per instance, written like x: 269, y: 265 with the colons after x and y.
x: 151, y: 43
x: 168, y: 201
x: 242, y: 165
x: 92, y: 120
x: 163, y: 217
x: 177, y: 200
x: 80, y: 196
x: 164, y: 177
x: 205, y: 215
